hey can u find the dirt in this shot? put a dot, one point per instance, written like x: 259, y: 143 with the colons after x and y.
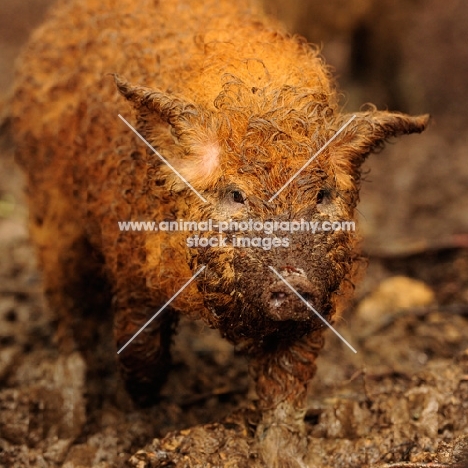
x: 401, y: 401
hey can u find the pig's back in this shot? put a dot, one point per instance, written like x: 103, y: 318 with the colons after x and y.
x: 65, y: 105
x: 182, y: 46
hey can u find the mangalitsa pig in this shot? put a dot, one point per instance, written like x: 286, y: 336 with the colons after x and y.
x: 248, y: 122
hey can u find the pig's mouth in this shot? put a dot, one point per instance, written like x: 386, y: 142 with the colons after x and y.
x: 286, y: 300
x: 273, y: 294
x: 255, y: 311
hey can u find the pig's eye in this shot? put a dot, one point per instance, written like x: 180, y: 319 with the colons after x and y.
x: 237, y: 196
x: 321, y: 195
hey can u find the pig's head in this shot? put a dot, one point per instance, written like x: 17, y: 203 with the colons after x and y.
x: 267, y: 155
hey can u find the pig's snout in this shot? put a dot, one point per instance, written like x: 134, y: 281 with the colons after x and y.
x: 282, y: 303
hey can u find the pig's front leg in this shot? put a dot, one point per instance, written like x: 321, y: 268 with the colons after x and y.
x: 282, y: 377
x: 145, y: 361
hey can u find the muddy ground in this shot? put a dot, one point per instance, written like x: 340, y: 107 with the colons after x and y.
x: 401, y: 401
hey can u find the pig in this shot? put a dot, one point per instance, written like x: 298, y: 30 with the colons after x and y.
x: 223, y: 116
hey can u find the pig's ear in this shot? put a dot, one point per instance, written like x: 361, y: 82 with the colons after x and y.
x: 385, y: 124
x: 202, y: 167
x: 171, y: 109
x: 371, y: 129
x: 367, y: 132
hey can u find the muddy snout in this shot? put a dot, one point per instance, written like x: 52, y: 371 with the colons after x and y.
x: 282, y: 303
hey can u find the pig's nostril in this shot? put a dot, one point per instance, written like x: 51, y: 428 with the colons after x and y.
x: 281, y: 301
x: 306, y: 296
x: 278, y: 297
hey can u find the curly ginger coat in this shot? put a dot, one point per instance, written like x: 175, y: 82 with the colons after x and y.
x: 238, y: 107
